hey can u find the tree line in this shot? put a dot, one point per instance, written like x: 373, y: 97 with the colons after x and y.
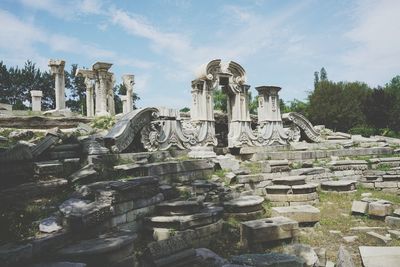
x: 16, y: 84
x: 352, y: 107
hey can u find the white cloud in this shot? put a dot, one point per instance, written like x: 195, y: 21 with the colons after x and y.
x: 376, y: 41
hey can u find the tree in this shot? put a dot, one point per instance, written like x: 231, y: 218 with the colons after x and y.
x: 339, y: 105
x: 253, y: 104
x: 77, y: 91
x: 323, y: 75
x: 220, y: 100
x: 120, y: 89
x: 185, y: 109
x: 316, y: 79
x: 393, y: 89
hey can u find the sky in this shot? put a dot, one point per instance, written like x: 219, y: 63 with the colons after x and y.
x: 163, y: 42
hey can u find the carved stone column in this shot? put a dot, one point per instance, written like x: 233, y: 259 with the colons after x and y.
x: 269, y: 115
x: 110, y: 94
x: 36, y: 100
x: 89, y: 76
x: 101, y: 87
x: 124, y: 104
x: 57, y: 69
x: 129, y: 81
x: 89, y: 97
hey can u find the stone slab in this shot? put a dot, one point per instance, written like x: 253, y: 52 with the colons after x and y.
x: 380, y: 256
x: 301, y: 213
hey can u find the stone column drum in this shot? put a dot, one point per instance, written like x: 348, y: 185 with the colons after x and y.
x: 269, y: 115
x: 129, y: 81
x: 57, y: 69
x: 36, y: 100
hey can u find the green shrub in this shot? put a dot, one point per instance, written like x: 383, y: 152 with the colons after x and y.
x: 103, y: 122
x: 365, y: 131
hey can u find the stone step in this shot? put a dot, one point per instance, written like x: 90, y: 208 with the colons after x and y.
x: 304, y: 188
x: 178, y: 208
x: 289, y: 180
x: 244, y: 204
x: 183, y: 222
x: 292, y: 197
x: 48, y: 168
x: 105, y: 250
x: 339, y: 186
x: 301, y: 213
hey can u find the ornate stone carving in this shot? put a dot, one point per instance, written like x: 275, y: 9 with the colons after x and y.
x: 120, y: 137
x: 304, y: 124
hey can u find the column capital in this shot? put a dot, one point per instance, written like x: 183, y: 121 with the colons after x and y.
x: 56, y: 66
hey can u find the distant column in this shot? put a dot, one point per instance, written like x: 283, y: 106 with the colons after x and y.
x: 129, y: 81
x: 102, y: 85
x: 89, y: 97
x: 124, y: 104
x: 36, y: 100
x: 57, y: 69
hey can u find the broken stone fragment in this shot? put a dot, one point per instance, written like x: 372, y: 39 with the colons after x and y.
x: 344, y: 258
x: 49, y: 225
x: 304, y: 252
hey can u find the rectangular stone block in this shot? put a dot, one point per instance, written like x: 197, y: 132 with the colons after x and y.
x: 301, y: 213
x: 380, y: 209
x: 393, y: 221
x: 267, y: 230
x: 385, y: 184
x: 360, y: 207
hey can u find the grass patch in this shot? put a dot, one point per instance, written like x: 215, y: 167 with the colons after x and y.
x: 254, y: 167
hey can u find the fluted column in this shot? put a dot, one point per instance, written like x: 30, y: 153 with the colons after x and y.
x: 57, y: 69
x: 129, y: 81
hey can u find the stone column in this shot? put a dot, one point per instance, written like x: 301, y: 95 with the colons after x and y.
x: 124, y: 104
x: 110, y: 94
x: 89, y: 76
x: 268, y: 106
x: 129, y: 81
x: 89, y: 97
x: 269, y: 115
x: 36, y: 100
x: 57, y: 69
x: 102, y: 75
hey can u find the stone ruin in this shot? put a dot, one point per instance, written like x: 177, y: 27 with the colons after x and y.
x: 160, y: 188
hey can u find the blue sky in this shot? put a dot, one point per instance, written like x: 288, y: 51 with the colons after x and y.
x: 163, y: 42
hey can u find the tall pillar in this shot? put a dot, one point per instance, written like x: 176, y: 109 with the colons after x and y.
x: 102, y: 84
x: 36, y: 100
x: 89, y: 97
x: 110, y: 94
x: 124, y: 104
x: 269, y: 115
x: 129, y: 81
x: 89, y: 76
x: 57, y: 69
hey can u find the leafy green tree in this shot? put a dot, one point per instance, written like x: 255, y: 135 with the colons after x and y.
x: 120, y: 89
x: 338, y: 105
x: 220, y: 100
x: 316, y: 79
x: 75, y: 86
x: 253, y: 104
x: 378, y: 107
x: 393, y: 89
x: 185, y: 109
x: 323, y: 75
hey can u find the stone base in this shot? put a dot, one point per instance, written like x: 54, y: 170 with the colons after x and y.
x: 257, y: 232
x: 202, y: 152
x: 59, y: 113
